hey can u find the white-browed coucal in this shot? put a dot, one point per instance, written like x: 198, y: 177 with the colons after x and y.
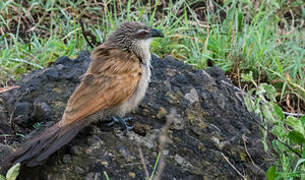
x: 114, y: 84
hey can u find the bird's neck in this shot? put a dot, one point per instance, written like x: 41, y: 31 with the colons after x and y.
x: 141, y: 49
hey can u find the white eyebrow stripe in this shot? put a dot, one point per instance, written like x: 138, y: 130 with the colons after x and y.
x: 141, y: 30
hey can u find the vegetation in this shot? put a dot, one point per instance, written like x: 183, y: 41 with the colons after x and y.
x: 260, y: 45
x: 12, y: 173
x: 288, y: 133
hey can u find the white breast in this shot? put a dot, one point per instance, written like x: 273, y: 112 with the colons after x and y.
x: 140, y: 92
x: 142, y: 48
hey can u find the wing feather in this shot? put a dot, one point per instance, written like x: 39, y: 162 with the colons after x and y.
x: 110, y: 80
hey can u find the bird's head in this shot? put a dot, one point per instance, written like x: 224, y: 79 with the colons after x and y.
x: 134, y: 36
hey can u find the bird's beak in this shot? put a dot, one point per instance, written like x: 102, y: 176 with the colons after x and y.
x: 156, y: 33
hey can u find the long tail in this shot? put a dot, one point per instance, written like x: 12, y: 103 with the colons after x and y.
x: 36, y: 150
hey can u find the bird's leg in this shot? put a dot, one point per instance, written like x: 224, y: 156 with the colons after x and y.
x: 122, y: 121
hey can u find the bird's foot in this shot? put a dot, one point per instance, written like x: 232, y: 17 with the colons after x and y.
x: 122, y: 121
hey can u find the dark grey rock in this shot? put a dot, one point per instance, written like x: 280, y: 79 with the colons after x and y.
x: 23, y: 113
x: 79, y: 170
x: 67, y: 158
x: 93, y: 176
x: 217, y: 73
x: 51, y: 73
x: 5, y: 150
x: 42, y: 111
x: 210, y: 122
x: 63, y: 60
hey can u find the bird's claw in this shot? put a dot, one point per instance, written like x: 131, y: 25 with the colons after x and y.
x: 122, y: 121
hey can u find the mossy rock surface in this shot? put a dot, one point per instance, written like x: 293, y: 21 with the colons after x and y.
x: 210, y: 123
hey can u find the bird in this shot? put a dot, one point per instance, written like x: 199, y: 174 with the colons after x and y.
x: 113, y: 85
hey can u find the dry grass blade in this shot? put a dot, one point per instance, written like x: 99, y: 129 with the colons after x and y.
x: 296, y: 87
x: 143, y: 162
x: 5, y: 89
x: 238, y: 172
x: 163, y: 139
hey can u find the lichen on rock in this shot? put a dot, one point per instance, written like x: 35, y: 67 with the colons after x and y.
x: 210, y: 122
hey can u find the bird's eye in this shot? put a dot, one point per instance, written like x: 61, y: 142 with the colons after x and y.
x: 143, y: 33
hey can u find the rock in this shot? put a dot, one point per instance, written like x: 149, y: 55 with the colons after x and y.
x: 63, y: 60
x: 67, y: 158
x: 210, y: 123
x: 42, y: 111
x: 132, y: 174
x: 51, y: 74
x: 93, y: 176
x: 23, y: 113
x: 79, y: 170
x: 5, y: 150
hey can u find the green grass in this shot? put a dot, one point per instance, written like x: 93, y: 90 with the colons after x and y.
x: 287, y: 132
x: 247, y: 36
x: 264, y: 38
x: 12, y: 173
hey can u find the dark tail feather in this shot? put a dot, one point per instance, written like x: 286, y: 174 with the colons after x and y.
x: 36, y: 150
